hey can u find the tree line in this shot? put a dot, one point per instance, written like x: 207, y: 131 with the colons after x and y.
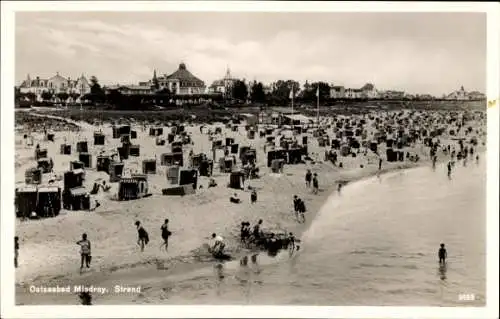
x: 240, y: 92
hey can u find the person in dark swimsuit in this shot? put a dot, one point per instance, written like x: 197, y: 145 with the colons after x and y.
x: 143, y: 235
x: 16, y: 250
x: 296, y: 205
x: 308, y: 178
x: 291, y: 242
x: 253, y: 196
x: 243, y: 233
x: 315, y: 184
x: 442, y: 254
x: 165, y: 234
x: 301, y: 206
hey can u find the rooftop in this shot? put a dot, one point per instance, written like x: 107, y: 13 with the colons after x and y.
x: 183, y: 75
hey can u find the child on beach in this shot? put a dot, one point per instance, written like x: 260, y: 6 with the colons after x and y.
x: 165, y: 234
x: 442, y: 254
x: 253, y: 196
x: 143, y: 235
x: 84, y: 251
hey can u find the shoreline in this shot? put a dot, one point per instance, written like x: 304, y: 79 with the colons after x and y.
x: 274, y: 207
x: 146, y: 269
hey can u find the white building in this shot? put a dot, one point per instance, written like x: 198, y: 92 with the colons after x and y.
x: 181, y: 82
x: 56, y: 84
x: 353, y: 93
x: 337, y: 92
x: 224, y: 85
x: 369, y: 91
x: 459, y: 95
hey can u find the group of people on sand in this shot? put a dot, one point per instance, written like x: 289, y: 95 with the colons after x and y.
x: 142, y: 241
x: 143, y: 235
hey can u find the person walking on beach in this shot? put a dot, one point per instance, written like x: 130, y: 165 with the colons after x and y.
x: 301, y: 211
x: 165, y: 234
x: 442, y: 254
x: 315, y: 184
x: 449, y: 169
x: 84, y: 251
x: 143, y: 236
x: 16, y: 250
x: 308, y: 178
x: 339, y: 187
x: 477, y: 159
x: 296, y: 205
x: 379, y: 163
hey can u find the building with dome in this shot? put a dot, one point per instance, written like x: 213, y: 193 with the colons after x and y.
x: 223, y: 86
x: 55, y: 84
x: 181, y: 82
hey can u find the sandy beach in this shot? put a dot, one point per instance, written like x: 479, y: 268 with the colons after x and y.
x: 48, y: 252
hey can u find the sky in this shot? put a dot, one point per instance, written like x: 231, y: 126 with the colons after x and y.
x: 419, y: 53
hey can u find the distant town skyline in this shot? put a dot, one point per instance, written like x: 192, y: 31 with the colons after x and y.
x: 419, y: 53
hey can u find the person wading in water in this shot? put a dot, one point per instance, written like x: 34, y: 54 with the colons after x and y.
x: 442, y: 254
x: 143, y: 236
x: 85, y: 251
x: 256, y: 231
x: 165, y: 234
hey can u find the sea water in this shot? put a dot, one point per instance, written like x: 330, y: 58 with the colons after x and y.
x: 373, y: 244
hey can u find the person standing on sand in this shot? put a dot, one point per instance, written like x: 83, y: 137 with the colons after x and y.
x: 253, y: 196
x: 308, y: 178
x: 16, y: 250
x: 143, y: 235
x: 379, y: 163
x: 84, y: 251
x: 449, y: 169
x: 165, y: 234
x: 301, y: 211
x: 315, y: 184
